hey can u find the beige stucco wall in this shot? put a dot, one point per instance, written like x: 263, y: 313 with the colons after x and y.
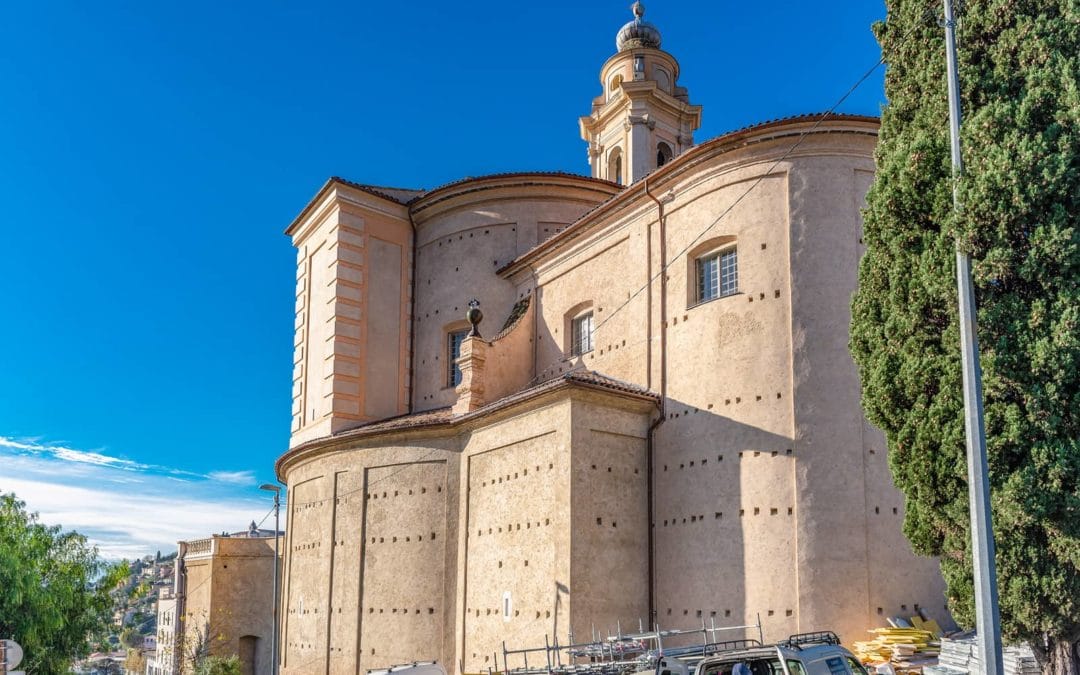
x: 464, y: 235
x: 227, y: 593
x: 393, y: 590
x: 772, y: 495
x: 353, y: 302
x: 766, y: 491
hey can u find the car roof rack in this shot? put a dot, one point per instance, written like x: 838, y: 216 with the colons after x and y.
x: 797, y: 641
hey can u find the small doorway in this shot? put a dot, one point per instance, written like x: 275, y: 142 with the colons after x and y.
x: 249, y: 649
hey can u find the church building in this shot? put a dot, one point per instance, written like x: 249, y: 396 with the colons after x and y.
x: 527, y: 405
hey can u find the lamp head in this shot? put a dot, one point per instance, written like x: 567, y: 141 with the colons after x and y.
x: 270, y: 487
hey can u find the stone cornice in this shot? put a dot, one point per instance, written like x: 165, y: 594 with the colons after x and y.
x: 638, y: 91
x: 524, y: 401
x: 333, y: 195
x: 513, y: 187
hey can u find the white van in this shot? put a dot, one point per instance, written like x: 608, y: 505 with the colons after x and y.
x: 802, y: 654
x: 415, y: 668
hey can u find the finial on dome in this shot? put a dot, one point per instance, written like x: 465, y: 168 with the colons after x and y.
x: 638, y: 33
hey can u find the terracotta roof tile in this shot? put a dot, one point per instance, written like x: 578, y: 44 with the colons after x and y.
x: 400, y: 195
x: 442, y: 416
x: 511, y: 174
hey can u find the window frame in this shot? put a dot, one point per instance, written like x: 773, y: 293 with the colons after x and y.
x: 696, y: 289
x: 453, y: 371
x: 577, y: 339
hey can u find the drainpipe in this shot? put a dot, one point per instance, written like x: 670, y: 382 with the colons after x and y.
x: 410, y: 352
x: 650, y: 441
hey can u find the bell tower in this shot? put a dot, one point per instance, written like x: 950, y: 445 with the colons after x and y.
x: 643, y: 118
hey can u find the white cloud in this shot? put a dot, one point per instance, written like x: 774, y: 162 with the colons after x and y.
x: 126, y: 508
x: 234, y: 477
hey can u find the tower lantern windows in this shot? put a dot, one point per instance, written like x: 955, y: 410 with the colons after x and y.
x: 639, y: 67
x: 615, y: 166
x: 663, y: 154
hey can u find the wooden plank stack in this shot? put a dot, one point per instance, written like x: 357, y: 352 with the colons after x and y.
x: 908, y: 647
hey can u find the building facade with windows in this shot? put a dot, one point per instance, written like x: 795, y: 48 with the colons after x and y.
x: 651, y: 415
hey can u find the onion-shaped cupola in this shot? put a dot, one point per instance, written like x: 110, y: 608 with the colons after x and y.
x: 638, y: 33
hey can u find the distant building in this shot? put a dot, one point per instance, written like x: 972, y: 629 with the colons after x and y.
x: 221, y: 603
x: 163, y: 660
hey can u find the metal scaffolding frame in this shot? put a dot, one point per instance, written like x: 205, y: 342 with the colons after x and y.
x: 623, y: 653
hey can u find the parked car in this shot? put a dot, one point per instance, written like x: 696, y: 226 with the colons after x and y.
x: 802, y: 654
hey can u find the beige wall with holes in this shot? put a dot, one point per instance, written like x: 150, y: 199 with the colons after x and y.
x: 772, y: 492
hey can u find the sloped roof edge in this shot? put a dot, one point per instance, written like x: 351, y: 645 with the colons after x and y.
x: 574, y: 228
x: 444, y: 418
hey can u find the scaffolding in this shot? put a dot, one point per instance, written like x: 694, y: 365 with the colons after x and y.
x: 625, y: 653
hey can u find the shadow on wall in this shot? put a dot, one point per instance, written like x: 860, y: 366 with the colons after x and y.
x: 724, y: 524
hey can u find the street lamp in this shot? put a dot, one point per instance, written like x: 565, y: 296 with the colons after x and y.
x: 987, y: 613
x: 269, y: 487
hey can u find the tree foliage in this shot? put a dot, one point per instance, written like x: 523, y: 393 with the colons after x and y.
x: 1020, y: 196
x: 219, y: 665
x: 54, y: 590
x: 130, y: 638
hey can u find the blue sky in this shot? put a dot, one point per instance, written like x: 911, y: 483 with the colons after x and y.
x: 152, y: 153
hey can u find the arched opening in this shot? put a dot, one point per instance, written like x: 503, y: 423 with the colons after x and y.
x: 663, y: 154
x: 615, y: 166
x: 578, y: 326
x: 613, y: 88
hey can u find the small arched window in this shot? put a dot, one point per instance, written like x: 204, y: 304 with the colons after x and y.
x: 578, y: 328
x: 615, y: 166
x: 613, y: 88
x: 712, y: 270
x: 663, y: 154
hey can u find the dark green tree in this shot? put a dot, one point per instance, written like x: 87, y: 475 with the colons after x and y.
x: 54, y: 590
x: 1020, y: 196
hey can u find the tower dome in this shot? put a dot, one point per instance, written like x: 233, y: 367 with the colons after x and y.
x: 638, y: 33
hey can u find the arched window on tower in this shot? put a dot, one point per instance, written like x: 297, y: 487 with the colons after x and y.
x: 663, y: 154
x: 615, y: 166
x: 615, y: 87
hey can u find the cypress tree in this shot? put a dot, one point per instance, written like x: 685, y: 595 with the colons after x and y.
x: 1020, y: 197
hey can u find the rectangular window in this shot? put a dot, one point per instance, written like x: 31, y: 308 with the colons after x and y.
x: 453, y: 351
x: 581, y: 335
x: 718, y: 274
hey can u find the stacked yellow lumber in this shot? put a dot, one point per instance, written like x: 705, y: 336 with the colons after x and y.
x: 897, y: 645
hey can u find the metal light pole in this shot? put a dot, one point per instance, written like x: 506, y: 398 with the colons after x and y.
x: 987, y: 619
x: 277, y: 567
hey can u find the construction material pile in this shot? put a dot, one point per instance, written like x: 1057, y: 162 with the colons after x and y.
x: 907, y: 645
x: 959, y: 654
